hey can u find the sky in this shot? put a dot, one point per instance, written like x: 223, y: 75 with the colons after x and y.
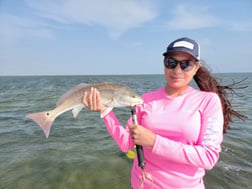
x: 101, y: 37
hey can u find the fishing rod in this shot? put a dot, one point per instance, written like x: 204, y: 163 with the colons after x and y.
x: 139, y: 148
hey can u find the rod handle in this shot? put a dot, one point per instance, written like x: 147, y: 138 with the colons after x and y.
x: 139, y: 148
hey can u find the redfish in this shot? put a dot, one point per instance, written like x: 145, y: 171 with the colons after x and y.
x: 112, y: 95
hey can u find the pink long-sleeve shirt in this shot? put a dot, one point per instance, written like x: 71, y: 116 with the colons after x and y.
x: 188, y: 140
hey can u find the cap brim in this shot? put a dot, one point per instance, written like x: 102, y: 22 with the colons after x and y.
x: 180, y: 50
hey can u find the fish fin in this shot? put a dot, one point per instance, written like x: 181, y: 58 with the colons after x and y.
x: 110, y: 102
x: 108, y: 107
x: 77, y: 110
x: 71, y: 91
x: 105, y: 111
x: 43, y: 119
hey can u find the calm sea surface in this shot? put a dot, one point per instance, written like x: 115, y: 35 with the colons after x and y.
x: 80, y: 153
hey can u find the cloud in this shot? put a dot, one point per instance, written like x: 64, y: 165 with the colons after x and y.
x: 14, y: 28
x: 115, y: 16
x: 188, y: 18
x: 240, y: 26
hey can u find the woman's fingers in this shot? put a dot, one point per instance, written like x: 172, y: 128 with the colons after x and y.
x: 98, y: 100
x: 85, y: 99
x: 92, y: 100
x: 141, y: 135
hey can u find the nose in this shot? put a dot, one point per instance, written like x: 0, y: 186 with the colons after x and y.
x: 177, y: 69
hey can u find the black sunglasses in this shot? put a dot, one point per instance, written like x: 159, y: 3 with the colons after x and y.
x: 185, y: 65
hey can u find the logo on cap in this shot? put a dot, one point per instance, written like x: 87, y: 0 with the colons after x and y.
x: 185, y: 44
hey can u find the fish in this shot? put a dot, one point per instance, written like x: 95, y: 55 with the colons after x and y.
x: 112, y: 95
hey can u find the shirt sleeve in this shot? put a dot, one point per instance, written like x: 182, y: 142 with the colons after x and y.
x: 205, y: 152
x: 120, y: 134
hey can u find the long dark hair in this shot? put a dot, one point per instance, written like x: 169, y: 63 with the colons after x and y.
x: 206, y: 82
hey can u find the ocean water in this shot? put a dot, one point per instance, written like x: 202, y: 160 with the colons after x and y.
x: 80, y: 153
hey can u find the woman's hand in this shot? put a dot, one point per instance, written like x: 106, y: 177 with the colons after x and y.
x: 142, y: 136
x: 93, y: 100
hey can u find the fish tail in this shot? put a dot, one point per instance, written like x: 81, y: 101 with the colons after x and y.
x: 43, y: 119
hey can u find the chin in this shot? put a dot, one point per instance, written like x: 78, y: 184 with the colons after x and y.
x: 176, y: 86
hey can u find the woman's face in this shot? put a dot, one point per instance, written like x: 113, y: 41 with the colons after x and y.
x: 176, y: 78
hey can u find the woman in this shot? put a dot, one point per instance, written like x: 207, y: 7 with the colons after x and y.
x: 180, y: 128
